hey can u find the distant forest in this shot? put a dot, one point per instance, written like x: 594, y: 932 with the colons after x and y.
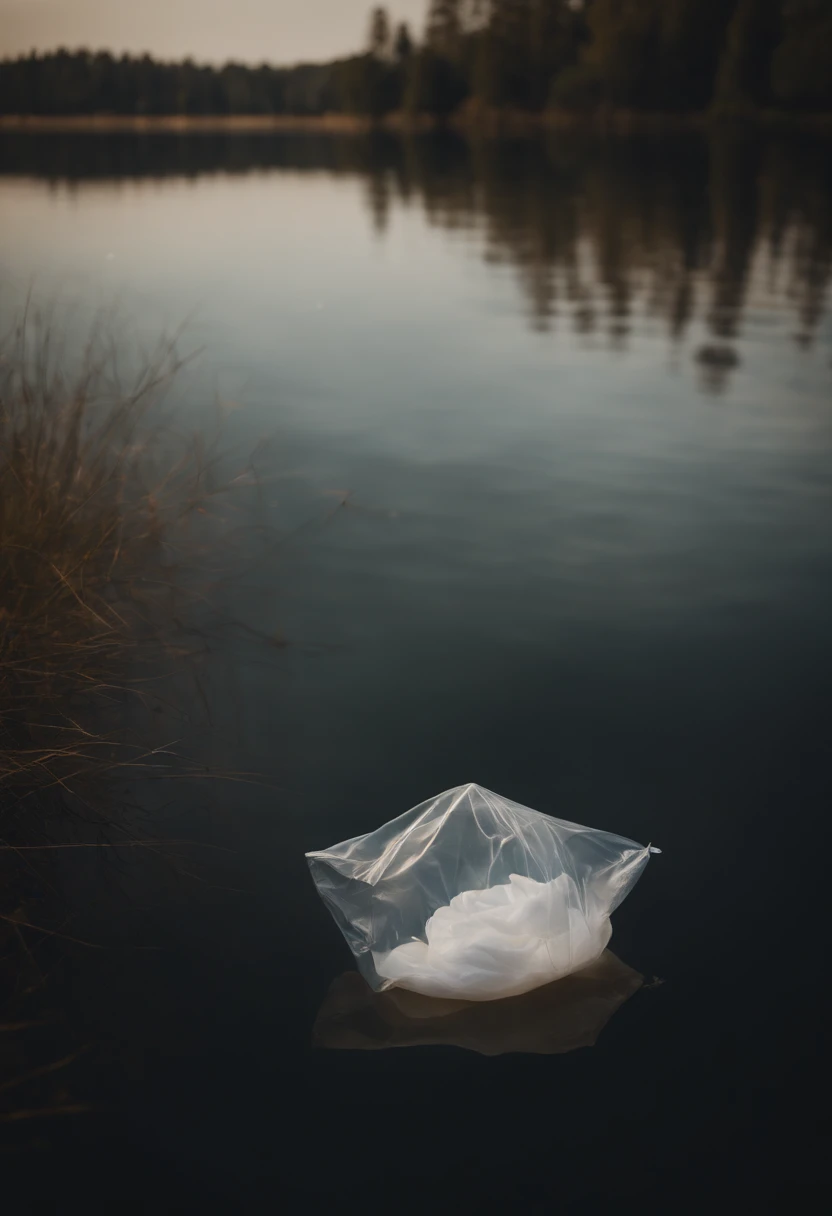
x: 478, y: 56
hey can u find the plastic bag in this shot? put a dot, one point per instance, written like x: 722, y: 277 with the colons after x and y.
x: 474, y: 897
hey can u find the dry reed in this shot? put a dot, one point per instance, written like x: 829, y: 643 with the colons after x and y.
x: 93, y: 492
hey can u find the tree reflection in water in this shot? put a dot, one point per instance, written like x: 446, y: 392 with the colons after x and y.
x: 689, y: 232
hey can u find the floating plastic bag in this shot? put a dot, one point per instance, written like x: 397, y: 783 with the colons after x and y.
x: 474, y: 897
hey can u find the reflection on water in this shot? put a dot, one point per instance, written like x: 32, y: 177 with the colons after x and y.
x: 557, y: 1018
x: 605, y: 236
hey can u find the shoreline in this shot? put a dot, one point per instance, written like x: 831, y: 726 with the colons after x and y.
x: 176, y: 124
x: 487, y: 123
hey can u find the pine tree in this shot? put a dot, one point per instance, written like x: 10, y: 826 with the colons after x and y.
x: 402, y: 43
x: 801, y: 70
x: 745, y: 66
x: 690, y: 38
x: 523, y: 45
x: 379, y: 39
x: 443, y: 27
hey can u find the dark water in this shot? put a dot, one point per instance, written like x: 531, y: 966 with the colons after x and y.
x: 578, y: 395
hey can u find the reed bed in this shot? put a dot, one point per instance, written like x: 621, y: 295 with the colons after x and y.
x: 97, y: 496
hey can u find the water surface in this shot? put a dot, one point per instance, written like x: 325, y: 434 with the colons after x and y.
x: 575, y: 395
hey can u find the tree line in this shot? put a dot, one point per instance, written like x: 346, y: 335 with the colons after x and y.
x: 664, y: 56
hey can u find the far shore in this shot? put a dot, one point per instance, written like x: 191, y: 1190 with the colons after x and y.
x: 176, y: 123
x: 479, y: 122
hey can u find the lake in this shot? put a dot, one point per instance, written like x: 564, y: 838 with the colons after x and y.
x: 550, y: 442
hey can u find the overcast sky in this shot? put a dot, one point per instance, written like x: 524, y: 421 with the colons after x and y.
x: 280, y: 31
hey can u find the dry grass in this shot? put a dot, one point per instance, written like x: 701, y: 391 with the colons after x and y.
x: 94, y: 493
x: 85, y: 520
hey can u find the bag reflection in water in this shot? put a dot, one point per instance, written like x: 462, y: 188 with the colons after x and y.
x: 470, y: 895
x: 559, y: 1017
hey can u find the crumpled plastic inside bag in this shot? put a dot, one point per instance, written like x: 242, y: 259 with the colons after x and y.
x: 475, y: 897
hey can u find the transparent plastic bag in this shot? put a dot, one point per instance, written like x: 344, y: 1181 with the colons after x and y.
x: 474, y: 897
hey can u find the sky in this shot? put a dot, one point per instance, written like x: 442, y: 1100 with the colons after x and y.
x: 279, y: 31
